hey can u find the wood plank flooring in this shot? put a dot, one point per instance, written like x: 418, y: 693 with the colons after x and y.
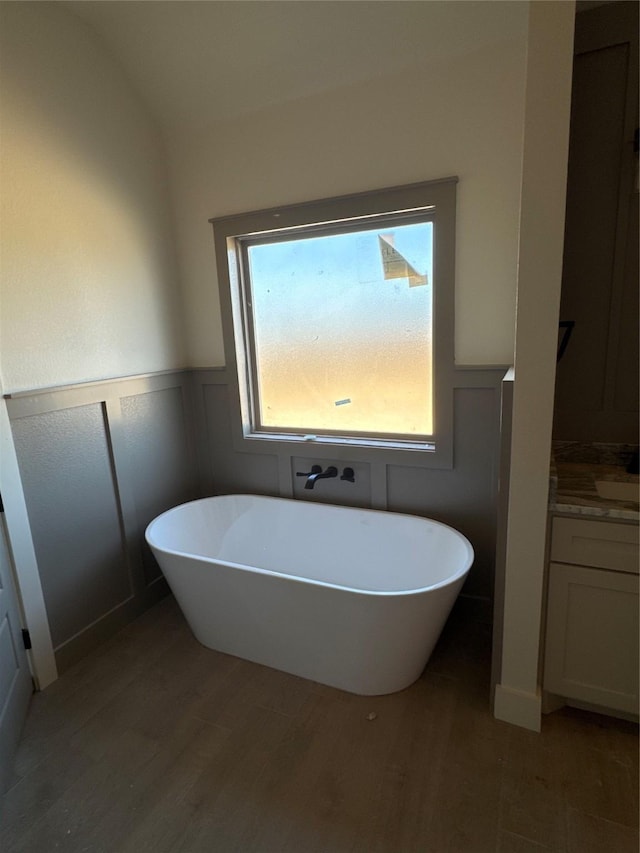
x: 158, y: 744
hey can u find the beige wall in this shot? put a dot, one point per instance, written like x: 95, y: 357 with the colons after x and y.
x: 87, y: 278
x: 458, y: 116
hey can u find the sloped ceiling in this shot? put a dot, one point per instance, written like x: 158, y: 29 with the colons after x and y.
x: 196, y: 63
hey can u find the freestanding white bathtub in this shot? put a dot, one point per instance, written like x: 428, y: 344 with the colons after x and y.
x: 352, y: 598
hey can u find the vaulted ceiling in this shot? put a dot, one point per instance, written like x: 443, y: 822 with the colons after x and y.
x: 195, y: 63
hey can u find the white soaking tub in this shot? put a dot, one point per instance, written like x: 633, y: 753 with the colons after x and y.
x: 352, y: 598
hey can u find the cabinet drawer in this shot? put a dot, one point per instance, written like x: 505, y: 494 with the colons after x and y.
x: 602, y: 544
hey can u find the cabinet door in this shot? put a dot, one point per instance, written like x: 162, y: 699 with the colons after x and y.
x: 592, y: 636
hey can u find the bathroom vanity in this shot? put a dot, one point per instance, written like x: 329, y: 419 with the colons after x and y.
x: 591, y: 636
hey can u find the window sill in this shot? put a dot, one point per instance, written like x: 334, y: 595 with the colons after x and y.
x: 422, y: 454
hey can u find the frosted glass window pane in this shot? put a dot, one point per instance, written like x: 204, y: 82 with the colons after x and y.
x: 342, y: 327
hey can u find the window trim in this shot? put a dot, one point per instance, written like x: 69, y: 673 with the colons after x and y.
x: 231, y: 236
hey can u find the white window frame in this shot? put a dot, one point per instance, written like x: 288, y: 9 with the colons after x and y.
x: 434, y: 201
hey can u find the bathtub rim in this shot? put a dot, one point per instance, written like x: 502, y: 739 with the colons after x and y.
x: 457, y: 576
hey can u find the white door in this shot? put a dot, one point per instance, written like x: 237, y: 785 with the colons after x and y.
x: 16, y: 685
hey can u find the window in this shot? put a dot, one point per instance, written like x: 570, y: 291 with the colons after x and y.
x: 338, y: 319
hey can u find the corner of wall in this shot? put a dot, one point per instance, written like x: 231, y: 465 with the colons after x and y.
x: 544, y: 175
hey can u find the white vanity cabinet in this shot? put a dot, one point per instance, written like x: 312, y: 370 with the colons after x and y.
x: 591, y: 649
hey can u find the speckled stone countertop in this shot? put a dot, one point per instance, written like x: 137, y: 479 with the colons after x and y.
x: 575, y: 469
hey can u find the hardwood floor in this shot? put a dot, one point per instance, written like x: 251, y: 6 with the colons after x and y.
x: 158, y: 744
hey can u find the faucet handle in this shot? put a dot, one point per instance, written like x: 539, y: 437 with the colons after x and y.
x: 315, y: 469
x: 349, y: 475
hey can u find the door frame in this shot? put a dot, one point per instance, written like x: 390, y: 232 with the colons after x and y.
x: 31, y: 606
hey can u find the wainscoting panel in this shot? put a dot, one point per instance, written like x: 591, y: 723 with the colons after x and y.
x: 98, y: 461
x: 158, y: 445
x: 65, y: 464
x: 464, y: 497
x: 246, y: 473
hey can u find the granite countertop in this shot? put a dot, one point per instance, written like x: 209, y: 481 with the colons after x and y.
x: 575, y: 469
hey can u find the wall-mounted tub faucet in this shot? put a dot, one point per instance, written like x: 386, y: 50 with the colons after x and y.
x: 317, y: 473
x: 315, y: 469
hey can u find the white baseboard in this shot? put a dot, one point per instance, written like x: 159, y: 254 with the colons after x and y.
x: 517, y: 707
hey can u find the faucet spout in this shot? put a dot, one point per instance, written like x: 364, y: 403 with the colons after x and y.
x: 331, y: 471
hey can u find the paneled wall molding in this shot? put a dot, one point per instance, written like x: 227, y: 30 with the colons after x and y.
x: 479, y: 376
x: 465, y: 496
x: 99, y: 460
x: 123, y: 488
x: 504, y: 473
x: 23, y: 403
x: 213, y: 375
